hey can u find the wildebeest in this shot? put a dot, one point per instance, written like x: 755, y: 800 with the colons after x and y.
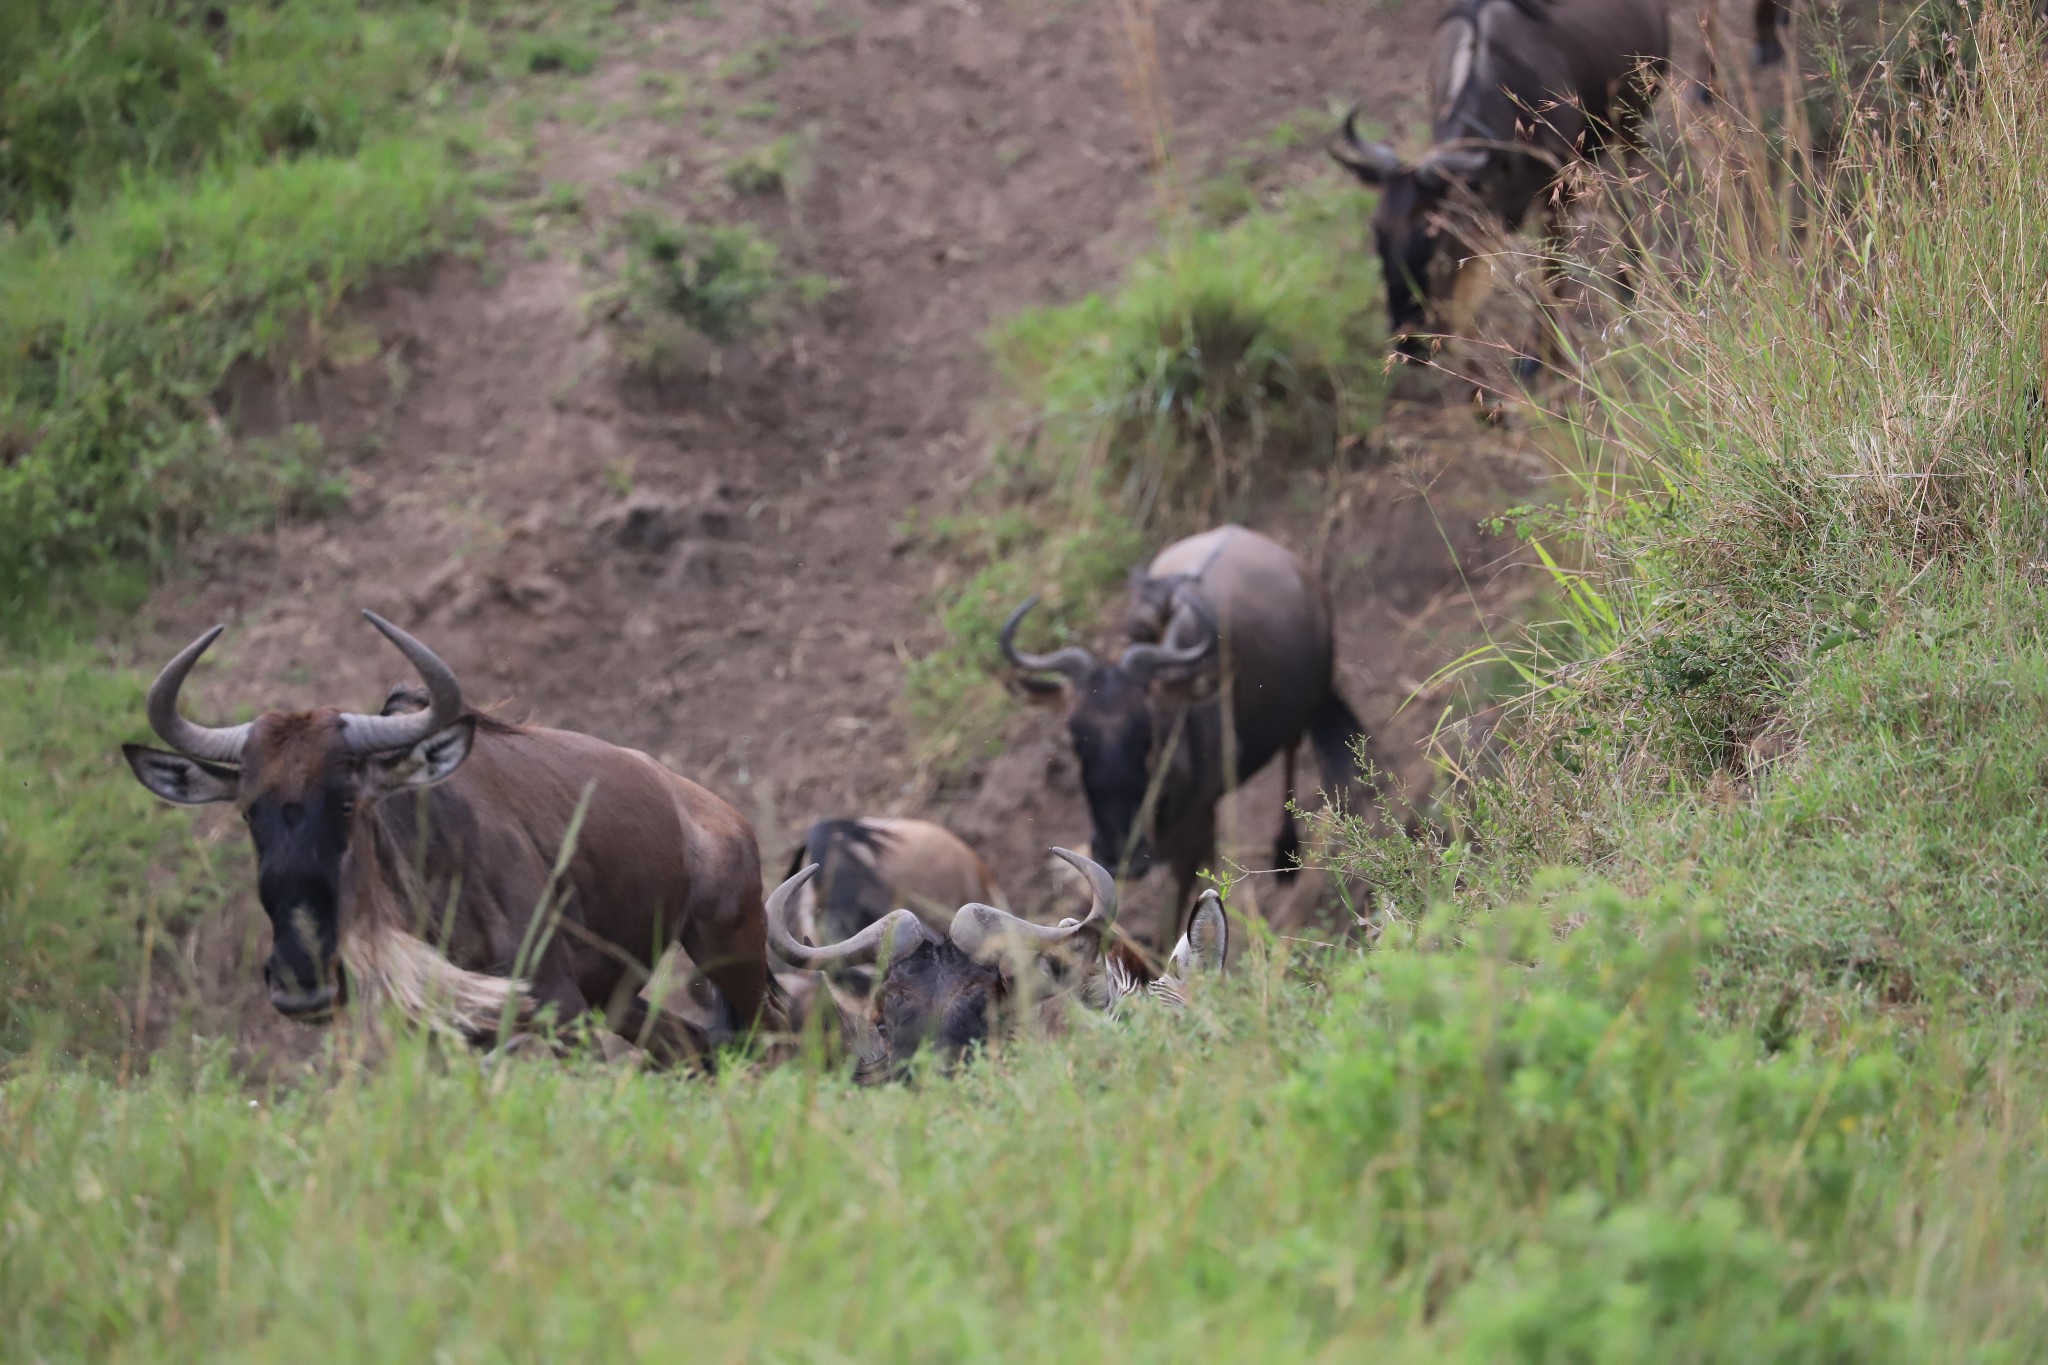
x: 870, y: 866
x: 1518, y: 89
x: 377, y: 885
x: 952, y: 991
x: 1230, y: 665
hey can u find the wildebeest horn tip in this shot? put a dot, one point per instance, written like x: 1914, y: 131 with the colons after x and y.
x: 218, y: 745
x: 379, y: 734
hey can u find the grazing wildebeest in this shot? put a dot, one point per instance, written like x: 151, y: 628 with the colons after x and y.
x: 869, y: 867
x: 337, y: 804
x: 1231, y: 664
x: 950, y: 992
x: 1519, y: 88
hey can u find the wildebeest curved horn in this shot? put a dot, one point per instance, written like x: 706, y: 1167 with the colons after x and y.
x: 1373, y: 161
x: 1072, y: 661
x: 982, y: 931
x: 1456, y: 160
x: 380, y: 734
x: 223, y: 745
x: 1148, y: 661
x: 894, y: 934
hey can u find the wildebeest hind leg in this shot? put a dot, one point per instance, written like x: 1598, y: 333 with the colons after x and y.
x: 1287, y: 848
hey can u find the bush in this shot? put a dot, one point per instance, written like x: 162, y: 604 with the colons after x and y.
x: 724, y: 281
x: 1227, y: 351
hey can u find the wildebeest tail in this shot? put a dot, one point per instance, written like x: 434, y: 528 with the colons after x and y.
x: 1334, y: 730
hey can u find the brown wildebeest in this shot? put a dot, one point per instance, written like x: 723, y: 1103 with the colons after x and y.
x: 1231, y: 665
x: 337, y: 804
x: 954, y: 991
x: 1519, y: 89
x: 870, y: 866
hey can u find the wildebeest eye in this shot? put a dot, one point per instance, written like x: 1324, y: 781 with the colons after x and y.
x: 348, y: 806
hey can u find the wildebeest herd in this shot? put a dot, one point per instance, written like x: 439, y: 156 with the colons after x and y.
x: 487, y: 878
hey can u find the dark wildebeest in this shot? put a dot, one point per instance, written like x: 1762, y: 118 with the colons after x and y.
x: 337, y: 804
x: 1230, y: 665
x: 955, y: 990
x: 1519, y: 88
x: 1770, y: 17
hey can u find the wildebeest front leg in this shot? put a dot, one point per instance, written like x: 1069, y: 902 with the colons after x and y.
x: 728, y: 940
x: 1192, y: 847
x: 1770, y: 16
x: 1549, y: 347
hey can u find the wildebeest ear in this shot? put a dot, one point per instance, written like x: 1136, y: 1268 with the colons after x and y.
x: 431, y: 760
x: 174, y: 777
x: 1201, y: 949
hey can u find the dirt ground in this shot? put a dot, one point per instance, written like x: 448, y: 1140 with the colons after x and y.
x: 705, y: 567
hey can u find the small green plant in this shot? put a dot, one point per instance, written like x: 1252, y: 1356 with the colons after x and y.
x: 723, y: 281
x: 550, y: 53
x: 1226, y: 351
x: 775, y: 168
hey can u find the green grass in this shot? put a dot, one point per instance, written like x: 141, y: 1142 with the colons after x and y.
x: 179, y: 193
x: 1225, y: 354
x: 91, y: 867
x: 114, y: 339
x: 1808, y: 554
x: 723, y: 282
x: 1532, y: 1148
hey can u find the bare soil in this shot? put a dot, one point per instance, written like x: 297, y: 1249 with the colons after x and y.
x: 704, y: 565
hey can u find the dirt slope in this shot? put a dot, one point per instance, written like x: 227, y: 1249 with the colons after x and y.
x: 705, y: 568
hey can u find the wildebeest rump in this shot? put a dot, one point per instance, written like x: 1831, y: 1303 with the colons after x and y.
x: 872, y: 865
x: 952, y: 991
x: 1517, y: 90
x: 1230, y: 664
x: 337, y: 804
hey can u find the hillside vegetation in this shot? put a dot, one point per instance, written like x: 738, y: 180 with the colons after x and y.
x: 1708, y: 1032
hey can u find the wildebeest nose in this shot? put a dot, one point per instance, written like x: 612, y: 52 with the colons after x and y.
x: 294, y: 999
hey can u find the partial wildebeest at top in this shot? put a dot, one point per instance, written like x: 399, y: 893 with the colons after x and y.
x: 868, y: 867
x: 1518, y: 89
x: 1230, y: 664
x: 337, y: 804
x: 953, y: 991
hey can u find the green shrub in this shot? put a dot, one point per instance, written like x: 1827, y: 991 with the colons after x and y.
x: 724, y: 281
x: 1228, y: 351
x: 544, y: 54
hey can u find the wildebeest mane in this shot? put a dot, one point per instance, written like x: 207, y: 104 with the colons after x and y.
x: 390, y: 911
